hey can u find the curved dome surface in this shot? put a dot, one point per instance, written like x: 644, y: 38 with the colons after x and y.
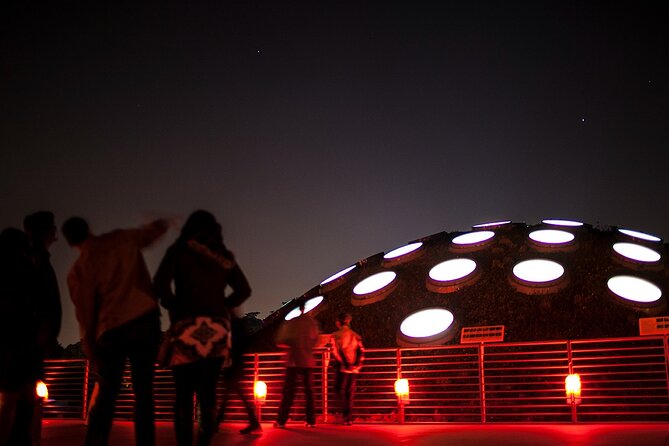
x: 557, y: 294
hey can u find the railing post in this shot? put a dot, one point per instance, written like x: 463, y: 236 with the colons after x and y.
x: 84, y: 400
x: 666, y: 360
x: 256, y: 375
x: 325, y: 363
x: 400, y: 401
x: 570, y: 370
x: 482, y: 382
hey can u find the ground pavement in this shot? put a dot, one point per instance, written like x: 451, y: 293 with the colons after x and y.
x: 70, y: 433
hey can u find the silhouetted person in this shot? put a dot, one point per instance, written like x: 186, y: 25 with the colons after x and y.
x: 349, y: 353
x: 119, y: 318
x: 299, y: 337
x: 41, y: 229
x: 200, y: 268
x: 20, y: 357
x: 233, y: 376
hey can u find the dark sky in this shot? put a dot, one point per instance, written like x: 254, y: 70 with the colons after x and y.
x: 324, y: 132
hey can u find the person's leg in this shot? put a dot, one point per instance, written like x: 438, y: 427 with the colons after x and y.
x: 348, y: 388
x: 229, y: 384
x: 338, y: 388
x: 288, y: 395
x: 91, y: 401
x: 143, y: 341
x: 206, y: 392
x: 24, y: 411
x: 308, y: 383
x: 248, y: 405
x: 36, y: 423
x: 223, y: 406
x: 8, y: 403
x: 108, y: 371
x: 184, y: 383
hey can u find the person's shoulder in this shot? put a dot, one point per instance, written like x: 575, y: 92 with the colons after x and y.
x: 176, y: 248
x: 121, y: 237
x: 109, y: 237
x: 338, y: 335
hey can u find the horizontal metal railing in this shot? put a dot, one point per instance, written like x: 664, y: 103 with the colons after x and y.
x: 66, y: 380
x: 623, y: 379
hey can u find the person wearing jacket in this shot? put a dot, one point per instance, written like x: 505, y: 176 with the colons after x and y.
x: 20, y: 352
x: 119, y: 319
x: 349, y: 353
x: 299, y: 337
x: 200, y: 268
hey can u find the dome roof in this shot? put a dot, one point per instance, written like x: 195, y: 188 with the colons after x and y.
x: 557, y: 279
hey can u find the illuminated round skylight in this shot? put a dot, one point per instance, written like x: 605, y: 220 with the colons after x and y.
x: 563, y: 223
x: 338, y: 275
x: 308, y: 306
x: 374, y: 283
x: 427, y: 323
x: 395, y: 253
x: 496, y: 223
x: 538, y: 270
x: 452, y: 270
x: 551, y: 236
x: 471, y: 238
x: 636, y: 252
x: 634, y: 289
x: 640, y: 235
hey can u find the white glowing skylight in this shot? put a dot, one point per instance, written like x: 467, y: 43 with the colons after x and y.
x: 538, y: 270
x: 374, y: 283
x: 563, y: 223
x: 496, y: 223
x: 395, y: 253
x: 471, y: 238
x: 636, y: 252
x: 640, y: 235
x: 426, y: 323
x: 308, y: 306
x: 551, y: 236
x: 634, y: 289
x: 338, y: 275
x: 452, y: 270
x: 293, y: 314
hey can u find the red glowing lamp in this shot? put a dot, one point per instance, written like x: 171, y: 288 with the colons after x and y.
x: 41, y: 390
x: 260, y: 391
x: 572, y: 386
x: 402, y: 390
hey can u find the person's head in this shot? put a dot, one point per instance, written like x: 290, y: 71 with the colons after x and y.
x: 202, y: 227
x: 41, y: 228
x: 76, y: 231
x: 344, y: 319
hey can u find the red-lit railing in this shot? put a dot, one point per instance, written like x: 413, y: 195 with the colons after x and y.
x: 622, y: 380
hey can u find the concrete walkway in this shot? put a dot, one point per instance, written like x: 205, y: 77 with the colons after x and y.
x: 66, y: 433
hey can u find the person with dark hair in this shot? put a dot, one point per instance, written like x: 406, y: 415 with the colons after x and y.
x: 349, y: 354
x: 76, y: 231
x: 119, y: 319
x: 191, y: 282
x: 41, y: 229
x: 299, y: 336
x: 20, y: 357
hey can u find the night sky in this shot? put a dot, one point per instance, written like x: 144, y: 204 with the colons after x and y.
x: 321, y: 133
